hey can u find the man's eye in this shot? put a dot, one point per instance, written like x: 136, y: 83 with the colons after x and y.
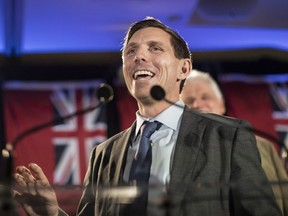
x: 205, y: 97
x: 155, y: 48
x: 130, y: 52
x: 191, y: 100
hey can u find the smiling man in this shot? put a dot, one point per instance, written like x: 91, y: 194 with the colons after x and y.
x: 198, y: 158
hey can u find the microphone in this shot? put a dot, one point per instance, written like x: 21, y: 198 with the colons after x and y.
x: 157, y: 93
x: 105, y: 93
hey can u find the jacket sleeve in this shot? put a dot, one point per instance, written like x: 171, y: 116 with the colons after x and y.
x: 86, y: 205
x: 251, y: 191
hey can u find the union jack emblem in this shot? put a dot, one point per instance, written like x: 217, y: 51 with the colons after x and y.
x: 75, y: 138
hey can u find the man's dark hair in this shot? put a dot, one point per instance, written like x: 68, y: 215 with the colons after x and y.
x: 181, y: 49
x: 180, y: 46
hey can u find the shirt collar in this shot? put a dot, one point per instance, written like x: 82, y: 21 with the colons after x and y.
x: 169, y: 117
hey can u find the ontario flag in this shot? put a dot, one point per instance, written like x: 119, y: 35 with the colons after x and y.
x: 63, y: 150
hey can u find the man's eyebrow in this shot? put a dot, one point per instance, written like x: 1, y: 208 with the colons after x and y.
x: 153, y: 42
x: 150, y: 43
x: 131, y: 43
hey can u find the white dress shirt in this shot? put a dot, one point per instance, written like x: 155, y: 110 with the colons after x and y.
x: 162, y: 142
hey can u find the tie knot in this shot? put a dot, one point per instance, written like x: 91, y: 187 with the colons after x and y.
x: 150, y: 127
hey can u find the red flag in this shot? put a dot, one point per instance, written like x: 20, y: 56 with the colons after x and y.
x: 262, y: 100
x: 63, y: 150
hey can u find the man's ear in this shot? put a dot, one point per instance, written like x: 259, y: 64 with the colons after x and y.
x: 186, y: 67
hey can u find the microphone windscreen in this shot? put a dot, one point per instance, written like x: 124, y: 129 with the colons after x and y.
x: 105, y: 93
x: 157, y: 92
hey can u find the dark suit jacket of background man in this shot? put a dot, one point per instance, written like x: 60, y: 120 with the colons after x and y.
x: 216, y: 170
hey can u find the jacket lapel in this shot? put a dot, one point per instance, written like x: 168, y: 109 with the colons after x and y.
x: 187, y: 150
x: 115, y: 171
x: 118, y: 158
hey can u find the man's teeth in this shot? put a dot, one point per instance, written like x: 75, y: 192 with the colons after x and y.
x: 143, y: 73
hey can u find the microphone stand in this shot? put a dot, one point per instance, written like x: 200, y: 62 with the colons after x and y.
x: 7, y: 203
x: 8, y: 206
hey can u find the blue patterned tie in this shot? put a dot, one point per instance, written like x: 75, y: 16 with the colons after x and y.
x: 140, y: 170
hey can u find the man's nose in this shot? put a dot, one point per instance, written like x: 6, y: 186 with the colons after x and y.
x: 195, y: 104
x: 140, y: 56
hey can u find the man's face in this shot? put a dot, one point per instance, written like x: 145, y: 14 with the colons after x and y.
x: 148, y: 60
x: 200, y: 95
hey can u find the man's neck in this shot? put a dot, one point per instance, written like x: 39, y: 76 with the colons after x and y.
x: 153, y: 109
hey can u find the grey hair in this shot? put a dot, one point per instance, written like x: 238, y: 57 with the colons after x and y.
x: 205, y: 76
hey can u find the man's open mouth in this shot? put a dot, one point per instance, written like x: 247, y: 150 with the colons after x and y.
x: 143, y: 74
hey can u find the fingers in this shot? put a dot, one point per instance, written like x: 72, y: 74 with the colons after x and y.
x: 38, y: 174
x: 25, y: 180
x: 26, y: 174
x: 19, y: 179
x: 42, y: 184
x: 32, y: 179
x: 36, y: 194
